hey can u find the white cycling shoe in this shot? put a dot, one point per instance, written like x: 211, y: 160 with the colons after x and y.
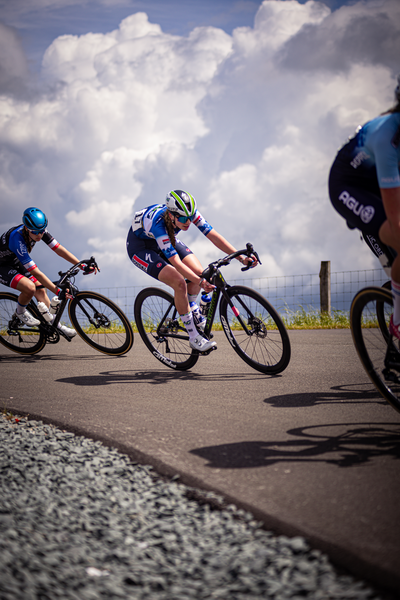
x: 27, y: 319
x: 201, y: 344
x: 67, y: 330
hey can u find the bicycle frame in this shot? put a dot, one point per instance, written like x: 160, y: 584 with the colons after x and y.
x: 212, y: 274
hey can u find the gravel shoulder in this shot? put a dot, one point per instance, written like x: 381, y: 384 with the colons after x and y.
x: 80, y: 521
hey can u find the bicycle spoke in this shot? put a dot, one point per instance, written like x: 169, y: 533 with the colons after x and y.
x: 161, y: 330
x: 255, y: 330
x: 370, y: 316
x: 14, y: 335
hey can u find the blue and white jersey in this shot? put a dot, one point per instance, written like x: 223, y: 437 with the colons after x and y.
x: 13, y: 247
x: 374, y: 151
x: 148, y: 223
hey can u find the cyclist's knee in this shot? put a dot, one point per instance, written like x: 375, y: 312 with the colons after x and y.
x: 26, y: 286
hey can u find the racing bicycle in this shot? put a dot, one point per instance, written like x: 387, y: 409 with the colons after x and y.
x: 96, y: 319
x: 378, y: 351
x: 252, y: 326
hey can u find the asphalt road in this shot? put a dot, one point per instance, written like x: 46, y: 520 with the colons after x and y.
x: 314, y: 451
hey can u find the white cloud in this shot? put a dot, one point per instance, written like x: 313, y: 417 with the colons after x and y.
x: 248, y: 123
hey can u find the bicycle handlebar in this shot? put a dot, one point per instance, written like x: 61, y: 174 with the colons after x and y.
x: 222, y: 262
x: 89, y: 263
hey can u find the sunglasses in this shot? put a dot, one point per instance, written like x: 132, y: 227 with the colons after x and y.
x: 35, y: 232
x: 182, y: 220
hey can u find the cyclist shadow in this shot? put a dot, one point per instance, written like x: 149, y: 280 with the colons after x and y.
x: 155, y: 377
x: 342, y: 445
x: 32, y: 358
x: 341, y: 394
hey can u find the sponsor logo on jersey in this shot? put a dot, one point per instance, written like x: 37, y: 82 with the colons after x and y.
x: 365, y: 213
x: 358, y: 159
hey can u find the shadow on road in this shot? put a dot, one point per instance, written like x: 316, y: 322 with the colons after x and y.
x: 343, y: 445
x: 156, y: 377
x: 349, y: 394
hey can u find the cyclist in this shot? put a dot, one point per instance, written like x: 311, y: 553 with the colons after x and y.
x: 19, y: 271
x: 364, y: 187
x: 153, y: 247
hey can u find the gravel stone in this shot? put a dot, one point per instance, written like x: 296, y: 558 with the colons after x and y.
x: 79, y: 521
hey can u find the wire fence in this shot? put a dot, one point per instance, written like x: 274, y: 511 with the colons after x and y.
x: 287, y: 293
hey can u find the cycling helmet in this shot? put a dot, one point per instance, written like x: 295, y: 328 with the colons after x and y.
x: 35, y: 220
x: 181, y: 203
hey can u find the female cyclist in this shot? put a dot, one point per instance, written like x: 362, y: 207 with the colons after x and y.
x: 153, y: 247
x: 19, y: 271
x: 364, y: 187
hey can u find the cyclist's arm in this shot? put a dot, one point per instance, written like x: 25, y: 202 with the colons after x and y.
x: 44, y: 280
x: 222, y: 244
x: 66, y: 254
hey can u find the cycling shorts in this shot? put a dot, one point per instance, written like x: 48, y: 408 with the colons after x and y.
x: 10, y: 275
x: 359, y: 202
x: 147, y: 256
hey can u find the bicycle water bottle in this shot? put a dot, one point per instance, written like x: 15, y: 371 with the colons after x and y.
x: 44, y: 311
x: 205, y: 301
x: 55, y: 301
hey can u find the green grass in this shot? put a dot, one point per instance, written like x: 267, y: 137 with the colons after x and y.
x: 312, y: 318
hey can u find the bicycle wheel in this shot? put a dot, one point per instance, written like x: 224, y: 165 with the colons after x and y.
x: 370, y: 336
x: 159, y: 327
x: 255, y: 330
x: 101, y: 323
x: 14, y: 335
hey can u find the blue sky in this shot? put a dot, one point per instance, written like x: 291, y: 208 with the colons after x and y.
x: 39, y: 23
x: 106, y: 105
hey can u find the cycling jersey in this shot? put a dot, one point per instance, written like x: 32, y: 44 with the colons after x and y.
x: 13, y: 249
x: 369, y: 161
x: 373, y: 154
x: 149, y: 224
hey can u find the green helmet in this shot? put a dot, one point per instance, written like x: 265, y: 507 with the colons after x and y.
x: 181, y: 203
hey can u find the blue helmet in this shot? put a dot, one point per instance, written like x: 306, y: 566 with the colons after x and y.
x: 35, y: 220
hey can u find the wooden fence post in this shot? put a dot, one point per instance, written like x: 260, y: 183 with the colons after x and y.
x: 325, y: 286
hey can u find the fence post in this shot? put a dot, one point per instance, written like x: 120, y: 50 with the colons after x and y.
x: 325, y: 286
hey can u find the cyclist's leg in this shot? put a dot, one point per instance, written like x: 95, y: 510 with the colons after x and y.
x: 17, y: 278
x: 390, y: 233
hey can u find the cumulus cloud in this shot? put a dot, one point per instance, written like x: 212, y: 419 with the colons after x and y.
x: 249, y: 123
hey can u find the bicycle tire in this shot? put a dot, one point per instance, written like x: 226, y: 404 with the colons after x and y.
x: 101, y: 323
x: 20, y: 339
x: 370, y: 339
x: 256, y: 332
x: 157, y: 322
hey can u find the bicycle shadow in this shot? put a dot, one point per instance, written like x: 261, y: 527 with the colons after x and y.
x: 32, y: 358
x: 357, y: 393
x: 153, y: 377
x: 343, y: 445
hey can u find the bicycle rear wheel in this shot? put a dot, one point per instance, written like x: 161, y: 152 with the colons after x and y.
x: 101, y: 323
x: 14, y: 335
x: 369, y: 320
x: 255, y: 330
x: 159, y: 327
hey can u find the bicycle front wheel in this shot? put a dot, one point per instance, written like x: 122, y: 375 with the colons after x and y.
x: 14, y: 335
x: 369, y: 320
x: 101, y: 323
x: 159, y: 327
x: 255, y: 330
